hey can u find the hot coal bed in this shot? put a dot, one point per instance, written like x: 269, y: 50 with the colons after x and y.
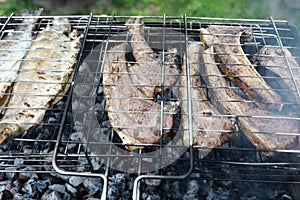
x: 53, y: 160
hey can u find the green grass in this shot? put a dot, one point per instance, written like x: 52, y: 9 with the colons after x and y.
x: 200, y: 8
x: 203, y: 8
x: 14, y: 6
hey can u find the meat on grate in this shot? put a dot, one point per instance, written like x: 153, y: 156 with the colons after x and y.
x: 210, y: 128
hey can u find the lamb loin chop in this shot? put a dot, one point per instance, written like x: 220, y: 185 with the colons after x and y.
x: 265, y: 130
x: 273, y: 61
x: 148, y: 69
x: 134, y: 116
x: 227, y: 44
x: 210, y: 128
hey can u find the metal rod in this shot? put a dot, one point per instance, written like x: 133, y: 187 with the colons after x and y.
x: 285, y: 56
x: 191, y: 157
x: 55, y: 152
x: 6, y: 22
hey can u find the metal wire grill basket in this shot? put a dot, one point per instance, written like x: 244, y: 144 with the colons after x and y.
x: 82, y: 141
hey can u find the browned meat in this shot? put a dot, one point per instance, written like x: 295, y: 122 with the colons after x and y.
x: 148, y: 70
x: 227, y: 43
x: 132, y: 115
x: 210, y: 128
x: 265, y: 130
x: 273, y: 60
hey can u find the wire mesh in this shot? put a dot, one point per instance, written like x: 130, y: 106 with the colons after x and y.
x: 83, y: 141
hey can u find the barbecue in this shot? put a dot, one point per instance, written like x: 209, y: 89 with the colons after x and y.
x: 206, y: 117
x: 34, y: 76
x: 272, y: 60
x: 252, y: 127
x: 227, y: 43
x: 119, y: 124
x: 142, y: 113
x: 13, y: 47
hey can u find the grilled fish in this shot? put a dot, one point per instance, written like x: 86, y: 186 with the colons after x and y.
x: 134, y: 116
x: 42, y: 80
x: 210, y: 128
x: 265, y: 130
x: 13, y: 48
x: 226, y: 41
x: 273, y: 61
x: 148, y: 69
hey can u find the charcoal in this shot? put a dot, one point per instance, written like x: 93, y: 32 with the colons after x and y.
x: 99, y: 108
x: 4, y: 182
x: 79, y: 125
x: 175, y: 190
x: 72, y: 190
x: 2, y: 176
x: 19, y: 196
x: 126, y: 195
x: 6, y: 194
x: 146, y: 196
x: 52, y: 120
x: 27, y: 149
x: 11, y: 174
x: 29, y: 188
x: 79, y: 106
x: 76, y: 180
x: 96, y: 164
x: 2, y: 188
x: 118, y: 180
x: 76, y: 136
x: 51, y: 196
x: 193, y: 187
x: 191, y: 196
x: 100, y: 90
x: 66, y: 196
x: 112, y: 192
x: 15, y: 187
x: 60, y: 105
x: 92, y: 185
x: 28, y: 175
x: 58, y: 188
x: 18, y: 161
x: 42, y: 185
x: 153, y: 182
x: 83, y: 164
x: 61, y: 176
x: 81, y: 90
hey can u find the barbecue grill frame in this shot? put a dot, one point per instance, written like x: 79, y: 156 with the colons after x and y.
x: 189, y: 23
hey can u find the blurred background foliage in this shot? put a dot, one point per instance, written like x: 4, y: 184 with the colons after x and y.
x: 216, y: 8
x: 259, y: 9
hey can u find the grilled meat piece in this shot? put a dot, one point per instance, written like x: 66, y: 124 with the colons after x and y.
x: 13, y: 48
x: 148, y: 70
x: 227, y: 44
x: 42, y: 80
x: 133, y: 115
x: 265, y: 130
x: 210, y: 128
x: 275, y: 64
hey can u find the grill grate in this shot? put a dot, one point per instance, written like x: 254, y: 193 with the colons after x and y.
x: 75, y: 144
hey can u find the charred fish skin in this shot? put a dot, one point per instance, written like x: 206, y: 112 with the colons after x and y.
x: 227, y: 42
x: 13, y: 48
x: 265, y: 130
x: 42, y: 80
x: 134, y: 116
x: 210, y: 128
x: 148, y: 69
